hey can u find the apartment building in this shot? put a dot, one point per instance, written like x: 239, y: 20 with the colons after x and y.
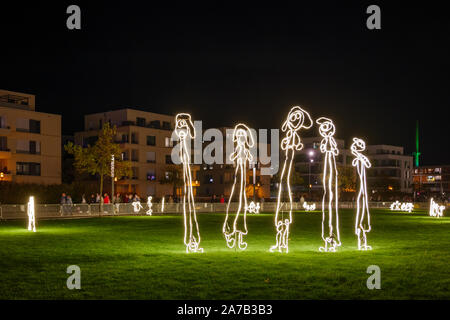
x: 145, y: 139
x: 391, y: 169
x: 432, y: 180
x: 30, y: 141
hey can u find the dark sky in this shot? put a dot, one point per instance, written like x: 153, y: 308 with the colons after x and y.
x: 227, y: 63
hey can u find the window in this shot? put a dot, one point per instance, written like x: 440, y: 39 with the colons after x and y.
x: 125, y: 138
x: 28, y: 168
x: 3, y: 122
x: 89, y: 141
x: 26, y: 146
x: 168, y: 142
x: 166, y: 125
x: 135, y: 173
x: 151, y: 140
x: 4, y: 143
x: 151, y: 176
x: 22, y: 125
x: 134, y: 138
x: 134, y: 155
x: 155, y: 124
x: 169, y: 159
x: 140, y: 122
x: 151, y: 156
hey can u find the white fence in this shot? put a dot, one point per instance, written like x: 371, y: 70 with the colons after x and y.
x: 48, y: 211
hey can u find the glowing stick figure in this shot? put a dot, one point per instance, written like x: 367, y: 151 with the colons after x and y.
x: 435, y: 209
x: 362, y: 223
x: 137, y: 206
x: 234, y: 234
x: 185, y: 130
x: 149, y: 205
x: 253, y: 208
x: 328, y: 146
x: 31, y: 216
x: 296, y: 120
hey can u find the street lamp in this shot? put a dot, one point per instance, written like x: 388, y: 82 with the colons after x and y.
x: 311, y: 154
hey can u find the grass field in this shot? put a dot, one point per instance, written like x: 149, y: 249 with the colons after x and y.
x: 143, y: 257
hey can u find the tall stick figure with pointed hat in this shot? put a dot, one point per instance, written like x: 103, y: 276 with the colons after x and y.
x: 235, y: 230
x: 362, y: 223
x: 330, y: 215
x: 184, y: 129
x: 296, y: 120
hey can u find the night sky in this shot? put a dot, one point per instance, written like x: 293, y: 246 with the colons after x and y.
x: 227, y: 63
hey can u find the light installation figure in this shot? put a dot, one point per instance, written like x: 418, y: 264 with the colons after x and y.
x: 330, y: 217
x: 362, y: 223
x: 253, y: 208
x: 309, y: 207
x: 406, y: 206
x: 162, y: 205
x: 184, y: 129
x: 137, y: 206
x: 296, y: 120
x: 149, y: 205
x: 435, y: 209
x: 31, y: 215
x: 235, y: 230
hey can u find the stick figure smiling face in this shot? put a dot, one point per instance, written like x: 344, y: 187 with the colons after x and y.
x: 358, y: 145
x: 327, y: 128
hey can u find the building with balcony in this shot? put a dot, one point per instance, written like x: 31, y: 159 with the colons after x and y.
x: 145, y: 139
x: 432, y: 180
x: 30, y: 141
x: 391, y: 169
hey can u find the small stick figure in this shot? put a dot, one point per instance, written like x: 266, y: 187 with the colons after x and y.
x: 362, y: 222
x: 234, y: 234
x: 149, y: 205
x: 296, y: 120
x: 184, y: 129
x: 31, y: 215
x: 328, y: 146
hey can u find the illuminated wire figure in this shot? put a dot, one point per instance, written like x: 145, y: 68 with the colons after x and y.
x: 149, y: 205
x: 362, y: 223
x: 435, y: 209
x: 253, y: 208
x: 234, y: 233
x: 184, y: 129
x: 162, y: 205
x: 31, y: 215
x: 137, y: 206
x: 330, y: 218
x: 296, y: 120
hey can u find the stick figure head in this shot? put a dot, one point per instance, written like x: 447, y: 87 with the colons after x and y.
x: 326, y: 128
x: 358, y: 145
x: 184, y: 126
x: 296, y: 119
x: 243, y: 136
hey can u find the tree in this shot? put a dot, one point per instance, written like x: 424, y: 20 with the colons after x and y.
x: 347, y: 179
x: 96, y: 159
x: 174, y: 178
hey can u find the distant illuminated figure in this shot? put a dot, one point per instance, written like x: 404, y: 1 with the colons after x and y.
x: 330, y: 218
x: 234, y: 233
x: 309, y: 207
x: 406, y: 206
x: 435, y: 209
x: 149, y: 205
x: 296, y: 120
x: 362, y: 223
x: 137, y: 206
x: 253, y: 208
x: 31, y: 215
x: 184, y: 129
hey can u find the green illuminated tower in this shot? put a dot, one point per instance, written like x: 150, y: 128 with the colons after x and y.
x: 417, y: 153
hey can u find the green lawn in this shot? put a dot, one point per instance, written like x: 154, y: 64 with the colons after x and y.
x: 144, y: 258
